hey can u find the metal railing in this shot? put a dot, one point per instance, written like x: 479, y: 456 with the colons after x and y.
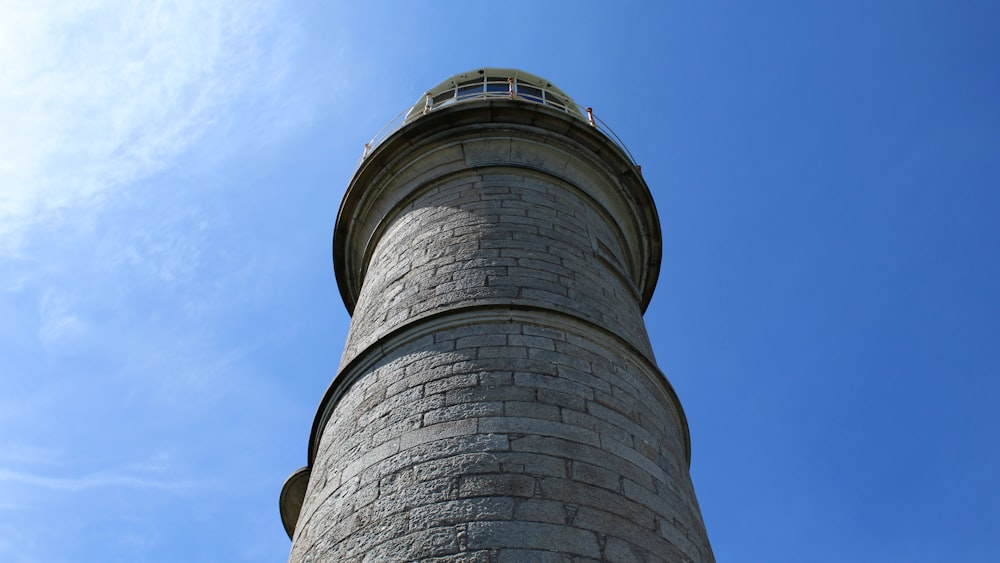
x: 491, y: 87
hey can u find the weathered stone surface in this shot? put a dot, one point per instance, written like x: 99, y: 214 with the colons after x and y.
x: 498, y: 399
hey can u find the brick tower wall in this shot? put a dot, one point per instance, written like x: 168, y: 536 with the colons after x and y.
x: 498, y: 399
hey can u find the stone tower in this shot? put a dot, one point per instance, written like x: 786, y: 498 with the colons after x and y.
x: 498, y: 399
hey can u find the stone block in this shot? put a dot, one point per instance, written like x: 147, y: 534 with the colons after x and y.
x: 451, y: 382
x: 533, y: 535
x: 560, y: 399
x: 531, y: 409
x: 438, y: 431
x: 553, y: 383
x: 596, y: 475
x: 522, y: 425
x: 537, y: 465
x: 541, y: 510
x: 482, y: 556
x: 461, y: 511
x: 433, y: 542
x: 463, y: 410
x: 489, y: 393
x: 502, y: 484
x: 461, y: 464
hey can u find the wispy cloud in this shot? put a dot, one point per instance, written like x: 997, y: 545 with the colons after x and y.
x: 94, y: 95
x: 47, y: 469
x: 59, y: 323
x: 109, y: 478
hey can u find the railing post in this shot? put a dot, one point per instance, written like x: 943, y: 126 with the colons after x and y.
x: 590, y: 117
x: 428, y: 103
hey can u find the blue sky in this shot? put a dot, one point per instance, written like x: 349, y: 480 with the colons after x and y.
x: 828, y: 181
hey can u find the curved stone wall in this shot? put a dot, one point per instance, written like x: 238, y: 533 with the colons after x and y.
x: 498, y: 399
x: 511, y: 436
x: 497, y: 236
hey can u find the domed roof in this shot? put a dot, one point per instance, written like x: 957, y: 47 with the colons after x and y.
x: 493, y: 82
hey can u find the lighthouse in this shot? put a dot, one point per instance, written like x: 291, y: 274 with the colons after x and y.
x: 498, y: 398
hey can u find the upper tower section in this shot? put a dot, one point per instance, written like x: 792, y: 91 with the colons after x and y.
x: 497, y: 83
x: 491, y: 83
x: 498, y: 118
